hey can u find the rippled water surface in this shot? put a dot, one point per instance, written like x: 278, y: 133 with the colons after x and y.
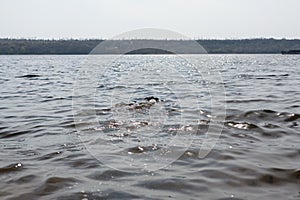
x: 106, y: 150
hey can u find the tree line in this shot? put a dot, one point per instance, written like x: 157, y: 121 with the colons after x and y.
x: 213, y: 46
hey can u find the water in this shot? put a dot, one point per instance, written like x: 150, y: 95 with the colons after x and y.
x: 44, y: 156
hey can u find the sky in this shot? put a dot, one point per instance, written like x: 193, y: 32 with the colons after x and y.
x: 208, y: 19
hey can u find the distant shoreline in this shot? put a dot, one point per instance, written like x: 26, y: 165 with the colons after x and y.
x: 84, y: 47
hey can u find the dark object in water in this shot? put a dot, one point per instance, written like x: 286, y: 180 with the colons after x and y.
x: 142, y: 105
x: 152, y: 99
x: 29, y: 76
x: 291, y: 52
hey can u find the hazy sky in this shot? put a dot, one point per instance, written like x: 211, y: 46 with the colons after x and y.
x: 106, y: 18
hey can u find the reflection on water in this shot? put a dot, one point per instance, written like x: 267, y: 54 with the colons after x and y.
x: 256, y: 157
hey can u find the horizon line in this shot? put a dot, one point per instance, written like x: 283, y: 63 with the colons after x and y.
x: 165, y: 39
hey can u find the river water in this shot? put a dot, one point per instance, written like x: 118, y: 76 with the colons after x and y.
x: 70, y: 129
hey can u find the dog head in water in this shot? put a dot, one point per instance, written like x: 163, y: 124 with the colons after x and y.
x: 152, y: 99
